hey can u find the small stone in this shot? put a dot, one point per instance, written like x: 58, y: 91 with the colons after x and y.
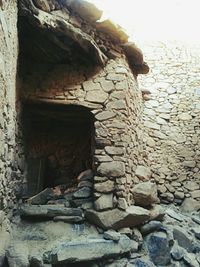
x: 111, y: 150
x: 185, y: 117
x: 105, y: 115
x: 151, y: 227
x: 43, y: 5
x: 137, y: 236
x: 68, y: 219
x: 144, y: 173
x: 104, y: 202
x: 179, y: 195
x: 177, y: 252
x: 112, y: 235
x: 189, y: 205
x: 190, y: 185
x: 85, y: 175
x: 196, y: 231
x: 189, y: 163
x: 190, y: 259
x: 169, y: 197
x: 84, y: 192
x: 122, y: 203
x: 173, y: 214
x: 85, y: 184
x: 104, y: 187
x: 96, y: 96
x: 195, y: 194
x: 145, y: 194
x: 107, y: 86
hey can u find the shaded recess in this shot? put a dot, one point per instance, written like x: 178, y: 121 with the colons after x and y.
x: 59, y: 144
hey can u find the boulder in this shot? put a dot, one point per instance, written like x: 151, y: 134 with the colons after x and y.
x: 141, y: 263
x: 89, y: 249
x: 145, y: 194
x: 116, y: 219
x: 142, y: 172
x: 157, y: 245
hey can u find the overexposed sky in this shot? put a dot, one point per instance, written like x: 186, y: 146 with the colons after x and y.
x: 155, y: 19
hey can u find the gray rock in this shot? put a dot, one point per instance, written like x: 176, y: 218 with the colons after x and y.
x: 142, y: 263
x: 196, y: 231
x: 113, y: 169
x: 145, y: 194
x: 85, y: 9
x: 137, y: 236
x: 42, y: 4
x: 116, y: 219
x: 68, y: 219
x: 190, y: 205
x: 18, y: 255
x: 151, y: 227
x: 177, y: 252
x: 48, y: 211
x: 42, y: 197
x: 175, y: 215
x: 183, y: 239
x: 104, y: 187
x: 112, y: 235
x: 122, y: 203
x: 104, y: 202
x: 86, y: 175
x: 158, y: 248
x: 105, y: 115
x: 89, y: 249
x: 144, y: 173
x: 114, y: 150
x: 96, y: 96
x: 190, y: 259
x: 83, y: 192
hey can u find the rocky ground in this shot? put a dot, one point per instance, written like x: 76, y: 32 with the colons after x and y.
x: 168, y: 237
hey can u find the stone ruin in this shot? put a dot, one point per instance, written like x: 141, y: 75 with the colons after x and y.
x: 77, y: 189
x: 80, y: 104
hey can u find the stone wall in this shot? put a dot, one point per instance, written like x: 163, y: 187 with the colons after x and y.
x: 171, y: 118
x: 8, y: 64
x: 113, y: 97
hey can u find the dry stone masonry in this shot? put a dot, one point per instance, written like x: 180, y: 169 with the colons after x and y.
x: 171, y: 119
x: 89, y: 161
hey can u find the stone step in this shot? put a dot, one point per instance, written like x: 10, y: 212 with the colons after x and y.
x: 88, y: 250
x: 48, y: 211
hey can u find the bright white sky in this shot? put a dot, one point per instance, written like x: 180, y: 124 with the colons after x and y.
x: 155, y: 19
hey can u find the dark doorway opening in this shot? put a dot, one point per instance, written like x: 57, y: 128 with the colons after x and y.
x: 59, y: 144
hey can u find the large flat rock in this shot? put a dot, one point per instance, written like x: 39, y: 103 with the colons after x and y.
x: 116, y: 219
x: 88, y: 250
x: 48, y: 211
